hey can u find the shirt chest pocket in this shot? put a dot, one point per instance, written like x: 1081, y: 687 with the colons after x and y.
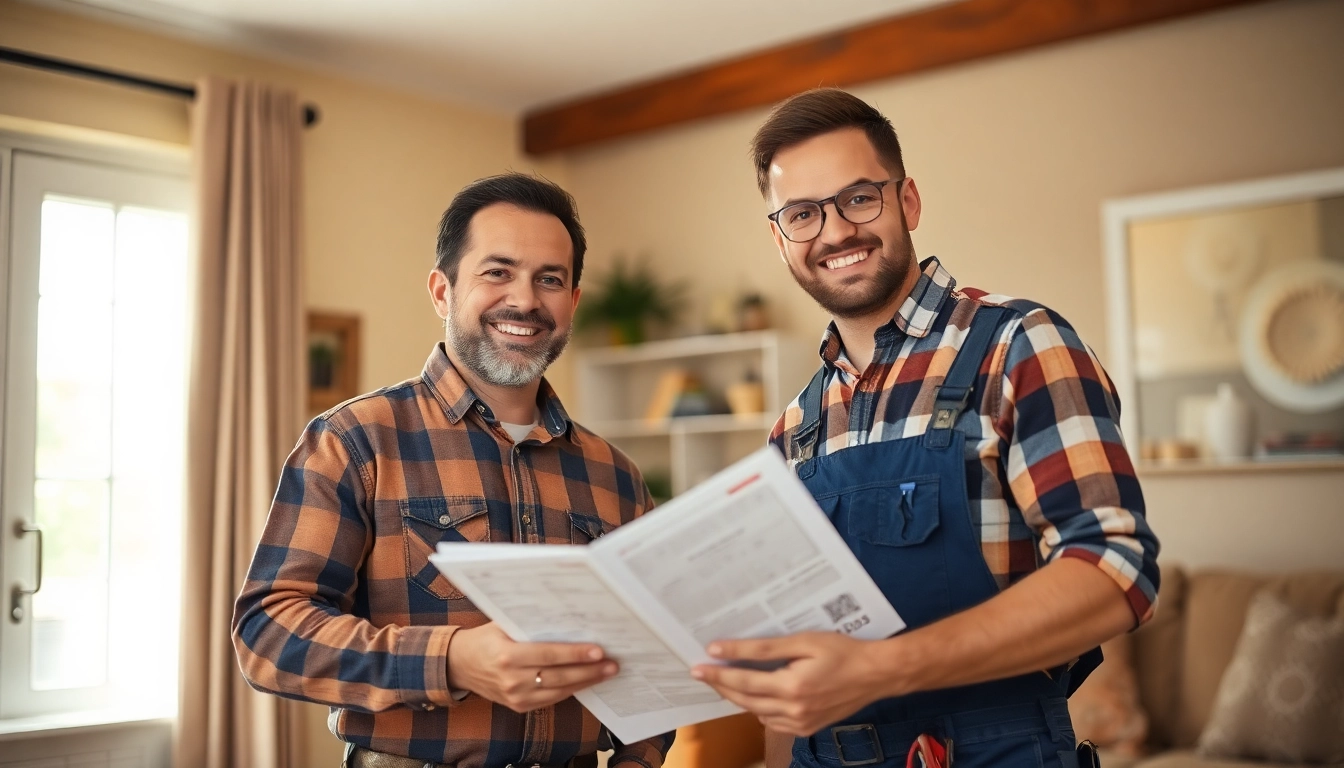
x: 898, y: 514
x: 426, y: 521
x: 584, y: 529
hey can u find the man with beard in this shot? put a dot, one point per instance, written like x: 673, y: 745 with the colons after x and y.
x: 967, y: 447
x: 341, y: 605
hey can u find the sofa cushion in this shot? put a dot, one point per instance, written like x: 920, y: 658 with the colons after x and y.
x: 1282, y: 697
x: 1186, y: 759
x: 1215, y: 610
x: 1106, y: 709
x: 1158, y: 650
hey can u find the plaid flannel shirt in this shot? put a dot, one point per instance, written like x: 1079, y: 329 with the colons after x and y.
x: 342, y: 607
x: 1046, y: 468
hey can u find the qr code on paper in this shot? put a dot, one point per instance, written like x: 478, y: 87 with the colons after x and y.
x: 841, y: 607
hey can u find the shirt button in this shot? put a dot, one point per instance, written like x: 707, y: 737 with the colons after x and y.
x: 429, y: 707
x: 444, y: 519
x: 480, y: 407
x: 527, y: 519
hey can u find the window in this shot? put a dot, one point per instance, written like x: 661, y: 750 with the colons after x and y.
x: 95, y: 357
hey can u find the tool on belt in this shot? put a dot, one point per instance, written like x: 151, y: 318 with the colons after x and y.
x: 929, y: 752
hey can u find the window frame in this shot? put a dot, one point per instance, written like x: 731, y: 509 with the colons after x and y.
x: 113, y: 152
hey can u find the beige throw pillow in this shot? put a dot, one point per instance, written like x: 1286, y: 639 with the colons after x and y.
x: 1282, y: 697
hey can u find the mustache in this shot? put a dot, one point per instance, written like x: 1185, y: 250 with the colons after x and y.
x: 848, y: 245
x: 535, y: 317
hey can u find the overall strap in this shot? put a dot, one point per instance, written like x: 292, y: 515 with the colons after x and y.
x: 950, y: 399
x: 805, y: 439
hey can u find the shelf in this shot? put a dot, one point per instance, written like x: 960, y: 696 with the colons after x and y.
x: 1244, y: 466
x: 684, y: 425
x: 675, y: 349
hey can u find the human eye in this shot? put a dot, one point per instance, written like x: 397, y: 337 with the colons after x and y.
x: 552, y: 281
x: 799, y: 214
x: 497, y: 273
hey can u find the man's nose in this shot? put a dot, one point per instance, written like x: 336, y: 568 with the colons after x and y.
x: 523, y: 296
x: 834, y: 227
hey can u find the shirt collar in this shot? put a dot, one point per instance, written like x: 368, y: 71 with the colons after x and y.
x: 452, y: 392
x: 915, y: 316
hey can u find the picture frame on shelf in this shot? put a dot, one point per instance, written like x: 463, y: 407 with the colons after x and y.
x: 333, y: 359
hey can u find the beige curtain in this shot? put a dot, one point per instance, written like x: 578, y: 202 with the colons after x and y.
x: 245, y: 404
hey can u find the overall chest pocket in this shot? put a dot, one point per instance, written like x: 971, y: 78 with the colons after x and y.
x: 892, y: 528
x: 898, y: 514
x: 425, y: 522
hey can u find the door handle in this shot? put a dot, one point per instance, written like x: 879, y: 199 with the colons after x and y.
x: 17, y: 595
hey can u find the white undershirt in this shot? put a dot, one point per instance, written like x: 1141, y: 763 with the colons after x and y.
x: 520, y: 431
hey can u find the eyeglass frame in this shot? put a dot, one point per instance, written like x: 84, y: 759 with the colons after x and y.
x: 821, y: 206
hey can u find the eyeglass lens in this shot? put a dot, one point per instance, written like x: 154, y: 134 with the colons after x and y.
x: 859, y: 204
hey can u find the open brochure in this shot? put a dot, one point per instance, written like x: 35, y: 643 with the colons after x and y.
x: 747, y: 553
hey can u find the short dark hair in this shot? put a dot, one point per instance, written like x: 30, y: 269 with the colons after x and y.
x: 531, y: 193
x: 819, y: 111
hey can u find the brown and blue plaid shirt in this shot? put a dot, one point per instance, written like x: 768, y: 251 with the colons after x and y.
x: 1047, y: 471
x: 342, y: 607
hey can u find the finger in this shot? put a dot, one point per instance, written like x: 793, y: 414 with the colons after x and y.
x: 574, y: 675
x: 758, y: 649
x: 784, y: 725
x: 748, y: 681
x: 761, y: 706
x: 554, y: 654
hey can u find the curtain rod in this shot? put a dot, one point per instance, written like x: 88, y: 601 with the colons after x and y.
x: 21, y: 58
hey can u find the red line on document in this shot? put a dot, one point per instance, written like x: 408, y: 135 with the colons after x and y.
x: 744, y: 483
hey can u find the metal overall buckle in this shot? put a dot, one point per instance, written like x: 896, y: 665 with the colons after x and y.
x: 872, y: 734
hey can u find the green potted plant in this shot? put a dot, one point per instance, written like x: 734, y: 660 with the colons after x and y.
x: 625, y: 298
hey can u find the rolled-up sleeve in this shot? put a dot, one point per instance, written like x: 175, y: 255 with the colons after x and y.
x: 1065, y: 459
x: 293, y: 630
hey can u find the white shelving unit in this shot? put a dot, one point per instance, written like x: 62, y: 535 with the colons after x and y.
x: 616, y: 384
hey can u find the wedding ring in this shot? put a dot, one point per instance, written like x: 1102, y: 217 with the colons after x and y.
x: 538, y: 680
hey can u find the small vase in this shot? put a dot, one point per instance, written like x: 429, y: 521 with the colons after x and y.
x: 1228, y: 425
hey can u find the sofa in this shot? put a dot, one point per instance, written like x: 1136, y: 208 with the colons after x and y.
x: 1178, y: 660
x: 1181, y: 654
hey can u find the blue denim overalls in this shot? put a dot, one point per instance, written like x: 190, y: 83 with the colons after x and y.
x: 902, y: 507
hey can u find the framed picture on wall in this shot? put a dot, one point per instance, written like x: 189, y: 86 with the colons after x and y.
x: 333, y: 359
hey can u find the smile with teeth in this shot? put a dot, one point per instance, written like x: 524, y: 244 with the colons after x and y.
x: 845, y: 261
x: 514, y: 330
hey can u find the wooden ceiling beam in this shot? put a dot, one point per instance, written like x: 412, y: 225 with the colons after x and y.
x: 943, y: 35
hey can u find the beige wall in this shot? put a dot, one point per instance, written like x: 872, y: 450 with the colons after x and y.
x: 379, y: 168
x: 1014, y: 156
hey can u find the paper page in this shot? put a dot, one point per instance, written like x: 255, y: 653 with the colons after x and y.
x: 553, y: 594
x: 746, y: 554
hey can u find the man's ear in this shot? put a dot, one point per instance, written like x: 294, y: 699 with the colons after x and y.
x: 575, y: 306
x: 440, y: 293
x: 780, y: 242
x: 910, y: 204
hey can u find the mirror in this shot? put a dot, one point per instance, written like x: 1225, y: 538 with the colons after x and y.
x: 1227, y: 321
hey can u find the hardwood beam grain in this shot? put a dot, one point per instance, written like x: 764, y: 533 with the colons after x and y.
x: 943, y: 35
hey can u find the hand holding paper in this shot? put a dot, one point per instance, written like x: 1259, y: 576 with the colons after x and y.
x: 820, y: 663
x: 522, y: 676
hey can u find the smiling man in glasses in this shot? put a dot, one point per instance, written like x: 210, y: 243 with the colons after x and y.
x: 967, y: 447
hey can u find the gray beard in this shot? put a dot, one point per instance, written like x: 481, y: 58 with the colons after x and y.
x: 488, y: 359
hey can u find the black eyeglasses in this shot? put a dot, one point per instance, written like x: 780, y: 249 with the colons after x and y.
x: 858, y: 204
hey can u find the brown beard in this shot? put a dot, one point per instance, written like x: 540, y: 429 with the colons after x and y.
x: 861, y: 297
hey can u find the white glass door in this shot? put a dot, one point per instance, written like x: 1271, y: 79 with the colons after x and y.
x: 95, y: 364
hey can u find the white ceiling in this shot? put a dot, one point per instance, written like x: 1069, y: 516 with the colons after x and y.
x: 510, y: 55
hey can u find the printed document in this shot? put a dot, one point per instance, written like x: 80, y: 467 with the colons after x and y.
x: 745, y: 554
